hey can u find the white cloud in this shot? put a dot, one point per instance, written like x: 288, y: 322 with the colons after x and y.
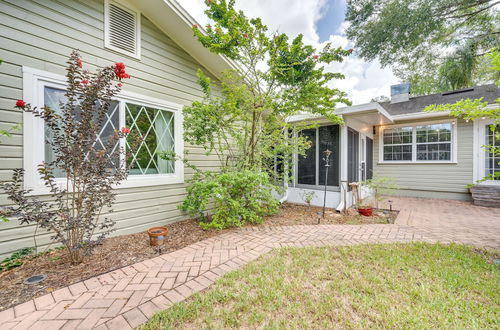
x: 363, y: 80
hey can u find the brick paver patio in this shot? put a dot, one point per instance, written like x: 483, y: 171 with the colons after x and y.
x: 127, y: 297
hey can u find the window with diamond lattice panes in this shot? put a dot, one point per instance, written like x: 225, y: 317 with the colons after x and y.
x: 55, y: 98
x: 155, y: 130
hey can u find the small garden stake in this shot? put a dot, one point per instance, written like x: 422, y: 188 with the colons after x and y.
x: 327, y: 154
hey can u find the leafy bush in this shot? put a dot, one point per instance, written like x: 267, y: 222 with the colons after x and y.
x: 73, y: 213
x: 238, y: 197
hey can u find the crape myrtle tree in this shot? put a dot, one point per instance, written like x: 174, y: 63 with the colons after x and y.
x: 242, y: 117
x: 436, y: 45
x: 469, y: 109
x: 89, y: 170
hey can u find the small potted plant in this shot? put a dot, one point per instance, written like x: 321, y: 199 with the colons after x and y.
x: 365, y: 209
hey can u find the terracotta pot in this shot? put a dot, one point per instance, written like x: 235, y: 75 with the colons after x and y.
x: 367, y: 212
x: 157, y: 235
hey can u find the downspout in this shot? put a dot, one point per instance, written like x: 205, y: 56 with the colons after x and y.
x: 285, y: 197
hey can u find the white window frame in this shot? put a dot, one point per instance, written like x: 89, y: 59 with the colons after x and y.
x: 34, y: 82
x: 479, y: 161
x: 454, y: 146
x: 125, y: 6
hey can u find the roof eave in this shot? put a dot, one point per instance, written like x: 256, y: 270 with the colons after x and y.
x: 176, y: 23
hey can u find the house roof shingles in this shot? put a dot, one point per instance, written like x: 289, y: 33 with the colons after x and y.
x: 490, y: 94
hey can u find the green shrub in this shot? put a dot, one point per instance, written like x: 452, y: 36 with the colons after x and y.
x: 238, y: 197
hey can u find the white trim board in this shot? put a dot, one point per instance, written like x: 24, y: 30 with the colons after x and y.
x: 479, y: 154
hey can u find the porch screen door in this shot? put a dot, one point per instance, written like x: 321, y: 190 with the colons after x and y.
x: 352, y: 155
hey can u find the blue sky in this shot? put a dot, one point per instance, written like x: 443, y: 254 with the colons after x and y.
x: 319, y: 21
x: 333, y: 14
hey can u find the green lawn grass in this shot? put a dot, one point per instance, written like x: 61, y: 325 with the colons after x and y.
x: 364, y: 286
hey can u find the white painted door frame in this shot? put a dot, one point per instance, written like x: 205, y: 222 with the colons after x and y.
x: 479, y: 158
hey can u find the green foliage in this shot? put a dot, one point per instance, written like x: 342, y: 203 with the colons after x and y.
x: 417, y: 36
x: 381, y: 186
x: 238, y: 197
x: 16, y: 259
x: 242, y: 117
x: 308, y: 196
x: 8, y: 133
x: 466, y: 109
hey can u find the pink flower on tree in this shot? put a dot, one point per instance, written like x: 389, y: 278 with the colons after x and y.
x: 125, y: 130
x: 79, y: 62
x: 85, y: 82
x: 350, y: 50
x: 315, y: 57
x: 20, y: 104
x: 245, y: 35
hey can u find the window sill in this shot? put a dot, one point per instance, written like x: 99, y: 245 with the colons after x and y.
x: 133, y: 181
x: 418, y: 163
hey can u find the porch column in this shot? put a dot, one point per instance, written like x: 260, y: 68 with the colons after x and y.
x: 343, y: 168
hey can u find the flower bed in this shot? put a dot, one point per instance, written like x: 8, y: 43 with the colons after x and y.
x: 124, y: 250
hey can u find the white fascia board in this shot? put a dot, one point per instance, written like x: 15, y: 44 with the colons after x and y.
x: 423, y: 115
x: 345, y: 111
x: 420, y: 115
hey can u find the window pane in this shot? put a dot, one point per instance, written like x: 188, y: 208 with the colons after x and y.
x: 399, y: 147
x: 307, y: 164
x: 54, y: 98
x: 429, y: 142
x: 492, y: 161
x: 329, y: 139
x: 155, y: 129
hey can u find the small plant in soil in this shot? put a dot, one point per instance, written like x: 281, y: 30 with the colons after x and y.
x: 308, y: 196
x: 381, y: 187
x: 89, y: 172
x: 16, y: 259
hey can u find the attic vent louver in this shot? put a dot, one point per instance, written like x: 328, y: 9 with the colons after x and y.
x: 458, y: 91
x: 122, y: 29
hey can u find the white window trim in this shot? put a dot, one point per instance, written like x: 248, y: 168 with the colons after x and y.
x: 479, y: 158
x: 34, y: 138
x: 454, y: 145
x: 125, y: 6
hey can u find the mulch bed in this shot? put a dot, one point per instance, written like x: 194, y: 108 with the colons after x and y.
x: 120, y: 251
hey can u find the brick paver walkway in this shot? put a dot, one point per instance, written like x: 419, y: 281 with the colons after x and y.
x: 451, y: 221
x: 127, y: 297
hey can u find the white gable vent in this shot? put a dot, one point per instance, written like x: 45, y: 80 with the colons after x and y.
x: 122, y: 29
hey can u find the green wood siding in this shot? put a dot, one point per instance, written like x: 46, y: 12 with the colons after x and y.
x: 41, y: 34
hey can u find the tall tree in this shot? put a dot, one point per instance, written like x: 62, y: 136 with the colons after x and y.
x: 246, y: 122
x: 434, y: 44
